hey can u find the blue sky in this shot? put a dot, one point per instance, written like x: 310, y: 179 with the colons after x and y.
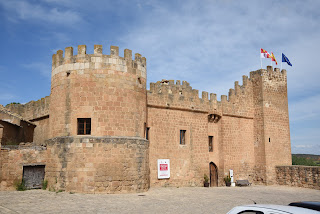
x: 209, y: 43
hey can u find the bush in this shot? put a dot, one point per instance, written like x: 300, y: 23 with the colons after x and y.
x: 20, y: 186
x: 227, y: 179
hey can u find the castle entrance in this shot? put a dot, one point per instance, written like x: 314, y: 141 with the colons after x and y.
x: 213, y: 175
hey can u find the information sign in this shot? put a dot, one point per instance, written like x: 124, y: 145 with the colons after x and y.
x: 163, y: 168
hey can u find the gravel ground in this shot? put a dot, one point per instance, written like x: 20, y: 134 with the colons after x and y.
x: 156, y: 200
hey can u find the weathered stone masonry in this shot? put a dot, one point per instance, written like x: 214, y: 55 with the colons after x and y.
x: 249, y: 128
x: 299, y: 176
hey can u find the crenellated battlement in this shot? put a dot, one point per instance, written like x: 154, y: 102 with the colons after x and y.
x: 171, y: 94
x: 269, y: 74
x: 184, y: 89
x: 98, y: 60
x: 239, y: 100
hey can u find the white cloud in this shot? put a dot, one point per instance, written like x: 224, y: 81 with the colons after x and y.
x: 306, y: 149
x: 18, y: 10
x: 43, y: 68
x: 303, y: 146
x: 7, y: 96
x: 305, y: 109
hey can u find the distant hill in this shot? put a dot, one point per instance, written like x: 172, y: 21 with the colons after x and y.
x: 308, y: 156
x: 306, y: 159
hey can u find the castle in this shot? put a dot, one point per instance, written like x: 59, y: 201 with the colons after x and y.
x: 101, y: 130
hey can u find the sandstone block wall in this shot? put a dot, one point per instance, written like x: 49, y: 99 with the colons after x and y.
x: 173, y: 107
x: 188, y: 162
x: 31, y: 110
x: 237, y: 142
x: 13, y: 160
x: 298, y: 176
x: 89, y: 165
x: 41, y: 132
x: 275, y: 139
x: 38, y: 113
x: 238, y: 147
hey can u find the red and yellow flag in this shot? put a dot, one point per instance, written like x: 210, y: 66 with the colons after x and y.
x: 273, y: 58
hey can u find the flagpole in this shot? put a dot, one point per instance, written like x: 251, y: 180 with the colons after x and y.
x: 281, y: 63
x: 260, y: 58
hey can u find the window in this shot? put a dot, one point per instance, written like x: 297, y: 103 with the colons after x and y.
x: 182, y: 137
x: 84, y: 126
x: 147, y: 133
x: 210, y: 143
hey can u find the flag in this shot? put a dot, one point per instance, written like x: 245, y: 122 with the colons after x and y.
x: 264, y: 54
x: 285, y: 59
x: 273, y: 58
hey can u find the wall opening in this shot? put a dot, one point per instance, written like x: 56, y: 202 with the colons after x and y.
x: 210, y: 143
x: 147, y: 133
x: 84, y: 126
x: 33, y: 176
x: 182, y: 137
x: 213, y: 175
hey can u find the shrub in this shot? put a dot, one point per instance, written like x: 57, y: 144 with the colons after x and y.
x: 227, y: 179
x: 206, y: 179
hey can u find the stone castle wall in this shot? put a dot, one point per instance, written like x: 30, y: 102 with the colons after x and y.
x: 38, y: 113
x: 32, y: 110
x: 237, y: 146
x: 13, y: 159
x: 240, y: 136
x: 298, y: 176
x: 171, y: 108
x: 89, y: 164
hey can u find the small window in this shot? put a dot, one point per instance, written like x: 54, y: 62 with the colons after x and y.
x: 182, y: 137
x: 147, y: 133
x: 84, y: 126
x: 210, y: 143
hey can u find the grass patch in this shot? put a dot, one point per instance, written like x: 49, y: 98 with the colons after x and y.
x: 20, y: 185
x: 44, y: 184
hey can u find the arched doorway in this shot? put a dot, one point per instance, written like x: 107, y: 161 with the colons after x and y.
x: 213, y: 175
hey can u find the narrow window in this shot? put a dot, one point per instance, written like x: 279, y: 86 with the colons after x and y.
x: 147, y: 133
x: 84, y: 126
x: 210, y: 143
x: 269, y: 139
x: 182, y: 137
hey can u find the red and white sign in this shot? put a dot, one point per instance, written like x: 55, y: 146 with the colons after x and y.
x: 163, y: 168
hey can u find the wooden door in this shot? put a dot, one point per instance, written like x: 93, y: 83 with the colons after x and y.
x: 213, y: 175
x: 33, y: 176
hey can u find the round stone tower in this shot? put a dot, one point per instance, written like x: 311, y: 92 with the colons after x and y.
x: 107, y: 89
x: 97, y: 121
